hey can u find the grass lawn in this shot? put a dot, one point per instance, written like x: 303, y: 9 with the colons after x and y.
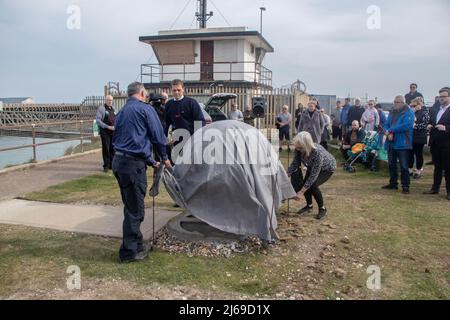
x: 93, y: 145
x: 96, y: 189
x: 406, y: 236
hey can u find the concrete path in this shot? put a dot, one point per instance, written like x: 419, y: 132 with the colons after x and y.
x: 17, y: 183
x: 95, y: 220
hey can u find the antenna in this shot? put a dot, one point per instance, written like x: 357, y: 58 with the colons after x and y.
x: 202, y: 15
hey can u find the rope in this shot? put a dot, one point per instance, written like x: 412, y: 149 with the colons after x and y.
x: 190, y: 26
x: 171, y: 27
x: 220, y: 13
x: 181, y: 13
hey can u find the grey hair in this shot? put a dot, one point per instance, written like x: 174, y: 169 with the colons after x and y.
x: 401, y: 98
x: 134, y: 88
x: 305, y: 142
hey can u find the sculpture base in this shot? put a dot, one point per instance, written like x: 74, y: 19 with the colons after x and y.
x: 187, y: 227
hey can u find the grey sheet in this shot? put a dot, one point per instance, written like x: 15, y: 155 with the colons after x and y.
x: 239, y: 198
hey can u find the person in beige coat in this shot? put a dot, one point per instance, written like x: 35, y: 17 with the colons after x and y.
x: 312, y: 122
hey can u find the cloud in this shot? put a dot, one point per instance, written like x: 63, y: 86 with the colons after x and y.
x: 324, y: 43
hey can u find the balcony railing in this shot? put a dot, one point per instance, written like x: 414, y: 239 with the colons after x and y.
x: 245, y: 71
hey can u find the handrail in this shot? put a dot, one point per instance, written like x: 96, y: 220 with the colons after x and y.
x: 34, y: 145
x: 42, y: 144
x: 260, y: 73
x: 43, y: 124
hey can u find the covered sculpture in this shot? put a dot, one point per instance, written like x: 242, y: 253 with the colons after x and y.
x: 229, y: 176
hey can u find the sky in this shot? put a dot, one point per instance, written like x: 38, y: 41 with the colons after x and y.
x: 325, y: 43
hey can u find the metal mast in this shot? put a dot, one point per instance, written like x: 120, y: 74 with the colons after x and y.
x: 202, y: 15
x: 261, y: 22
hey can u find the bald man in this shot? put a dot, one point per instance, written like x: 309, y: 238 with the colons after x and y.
x: 399, y: 133
x: 105, y: 119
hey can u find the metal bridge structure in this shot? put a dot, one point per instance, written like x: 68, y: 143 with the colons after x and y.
x: 25, y: 114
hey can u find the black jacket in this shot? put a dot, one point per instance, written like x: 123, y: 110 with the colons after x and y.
x: 422, y: 118
x: 355, y: 113
x: 440, y: 139
x: 360, y: 137
x: 182, y: 114
x: 411, y: 96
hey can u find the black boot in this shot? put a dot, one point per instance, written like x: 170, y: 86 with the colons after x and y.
x: 305, y: 210
x: 140, y: 256
x: 431, y: 191
x: 322, y: 214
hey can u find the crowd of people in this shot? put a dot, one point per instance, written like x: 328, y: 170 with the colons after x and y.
x: 365, y: 132
x: 138, y: 136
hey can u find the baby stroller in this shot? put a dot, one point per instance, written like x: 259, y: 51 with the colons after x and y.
x: 366, y: 152
x: 354, y: 154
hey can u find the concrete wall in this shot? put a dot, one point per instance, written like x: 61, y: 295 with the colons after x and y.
x: 226, y: 51
x: 249, y: 56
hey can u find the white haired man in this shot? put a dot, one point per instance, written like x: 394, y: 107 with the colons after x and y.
x: 105, y: 119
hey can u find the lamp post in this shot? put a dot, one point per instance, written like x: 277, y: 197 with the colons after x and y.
x: 261, y: 23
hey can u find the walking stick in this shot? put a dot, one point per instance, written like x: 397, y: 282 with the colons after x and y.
x: 153, y: 213
x: 151, y: 242
x: 289, y: 160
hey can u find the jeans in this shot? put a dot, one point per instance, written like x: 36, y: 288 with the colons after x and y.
x: 131, y: 175
x: 402, y: 156
x: 284, y: 133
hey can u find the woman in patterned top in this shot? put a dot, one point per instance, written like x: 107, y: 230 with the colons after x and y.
x: 420, y: 137
x: 320, y: 167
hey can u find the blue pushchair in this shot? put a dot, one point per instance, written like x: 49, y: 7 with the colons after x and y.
x: 366, y: 153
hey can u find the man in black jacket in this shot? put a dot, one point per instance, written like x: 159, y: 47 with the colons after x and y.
x: 182, y: 112
x: 355, y: 113
x: 412, y: 94
x: 439, y: 128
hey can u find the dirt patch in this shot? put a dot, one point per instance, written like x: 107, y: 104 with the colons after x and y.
x: 114, y: 289
x: 167, y: 242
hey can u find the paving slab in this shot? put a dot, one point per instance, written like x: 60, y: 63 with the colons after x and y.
x: 95, y: 220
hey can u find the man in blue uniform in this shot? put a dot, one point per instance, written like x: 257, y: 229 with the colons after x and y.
x: 137, y: 130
